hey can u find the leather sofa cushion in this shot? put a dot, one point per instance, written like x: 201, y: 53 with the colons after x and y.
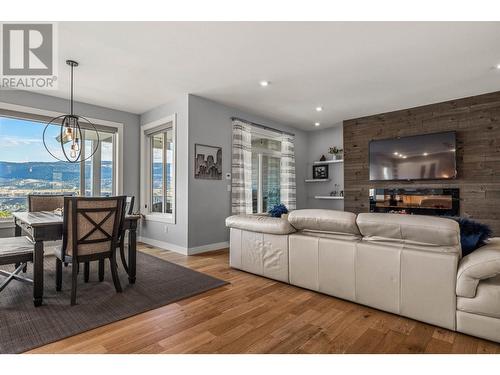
x: 330, y: 235
x: 417, y: 229
x: 260, y: 224
x: 326, y: 221
x: 483, y: 263
x: 487, y: 299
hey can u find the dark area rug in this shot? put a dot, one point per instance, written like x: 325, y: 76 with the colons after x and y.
x: 24, y: 327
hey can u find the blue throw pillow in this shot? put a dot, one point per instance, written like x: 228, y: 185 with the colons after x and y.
x: 469, y: 243
x: 473, y: 235
x: 278, y: 210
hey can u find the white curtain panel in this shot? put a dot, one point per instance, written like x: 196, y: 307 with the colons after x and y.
x: 287, y: 178
x: 241, y: 169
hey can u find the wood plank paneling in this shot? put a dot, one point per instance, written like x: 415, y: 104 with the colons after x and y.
x: 477, y: 123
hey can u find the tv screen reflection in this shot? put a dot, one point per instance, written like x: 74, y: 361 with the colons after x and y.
x: 421, y: 157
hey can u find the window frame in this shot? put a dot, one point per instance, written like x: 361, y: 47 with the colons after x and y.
x: 147, y: 131
x: 43, y: 116
x: 96, y: 161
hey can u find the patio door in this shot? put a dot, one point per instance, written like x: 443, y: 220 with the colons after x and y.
x: 266, y: 173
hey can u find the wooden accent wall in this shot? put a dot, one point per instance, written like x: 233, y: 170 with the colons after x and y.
x: 477, y: 123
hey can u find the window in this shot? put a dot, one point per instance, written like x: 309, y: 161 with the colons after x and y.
x: 26, y: 166
x: 161, y: 172
x: 266, y: 168
x: 99, y: 168
x: 158, y: 170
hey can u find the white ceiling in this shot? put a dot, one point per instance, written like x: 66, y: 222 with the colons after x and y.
x: 351, y: 69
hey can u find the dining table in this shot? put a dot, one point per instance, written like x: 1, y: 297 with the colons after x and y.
x: 48, y: 226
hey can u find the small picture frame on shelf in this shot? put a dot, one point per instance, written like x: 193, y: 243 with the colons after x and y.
x: 320, y: 171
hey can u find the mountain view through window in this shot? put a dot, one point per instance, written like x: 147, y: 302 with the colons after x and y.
x: 26, y: 166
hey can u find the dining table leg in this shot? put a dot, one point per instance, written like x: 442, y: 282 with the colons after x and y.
x: 17, y: 230
x: 132, y: 254
x: 38, y: 274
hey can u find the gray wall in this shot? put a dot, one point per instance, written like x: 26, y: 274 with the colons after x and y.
x: 130, y: 127
x: 317, y: 144
x: 209, y: 201
x: 202, y: 205
x: 176, y: 234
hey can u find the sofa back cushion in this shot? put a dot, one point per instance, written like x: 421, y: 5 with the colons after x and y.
x: 418, y: 229
x: 260, y: 224
x: 325, y: 221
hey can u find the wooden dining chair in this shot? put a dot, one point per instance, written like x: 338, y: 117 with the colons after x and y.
x: 129, y: 210
x: 45, y: 202
x: 91, y: 229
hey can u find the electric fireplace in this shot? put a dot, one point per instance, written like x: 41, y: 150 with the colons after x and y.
x: 417, y: 201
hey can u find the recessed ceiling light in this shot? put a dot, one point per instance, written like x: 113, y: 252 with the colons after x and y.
x: 317, y: 124
x: 404, y: 157
x: 497, y: 66
x: 425, y: 154
x: 396, y: 153
x: 264, y: 83
x: 319, y: 109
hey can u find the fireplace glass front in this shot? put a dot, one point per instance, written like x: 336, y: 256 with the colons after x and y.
x: 418, y: 201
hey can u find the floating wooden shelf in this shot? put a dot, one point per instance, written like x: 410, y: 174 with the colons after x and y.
x: 327, y: 197
x: 318, y: 180
x: 335, y: 161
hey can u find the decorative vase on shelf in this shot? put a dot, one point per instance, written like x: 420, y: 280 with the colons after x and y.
x: 336, y: 153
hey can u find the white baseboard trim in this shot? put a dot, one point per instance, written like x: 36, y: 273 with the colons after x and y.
x: 163, y: 245
x: 207, y: 248
x: 182, y: 249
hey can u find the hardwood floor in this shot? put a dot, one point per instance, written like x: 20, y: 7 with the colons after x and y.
x: 258, y: 315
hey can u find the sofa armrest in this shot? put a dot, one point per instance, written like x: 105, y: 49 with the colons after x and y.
x: 483, y: 263
x: 260, y: 224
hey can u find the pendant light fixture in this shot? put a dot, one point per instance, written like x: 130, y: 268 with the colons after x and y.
x: 70, y: 134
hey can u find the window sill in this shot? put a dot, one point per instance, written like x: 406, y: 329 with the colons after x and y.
x: 161, y: 218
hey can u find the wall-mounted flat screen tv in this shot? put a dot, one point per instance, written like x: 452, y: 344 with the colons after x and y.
x: 420, y: 157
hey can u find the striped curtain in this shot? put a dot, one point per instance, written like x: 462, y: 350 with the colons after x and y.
x: 287, y: 174
x: 241, y: 169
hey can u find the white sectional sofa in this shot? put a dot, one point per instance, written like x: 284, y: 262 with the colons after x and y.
x: 404, y: 264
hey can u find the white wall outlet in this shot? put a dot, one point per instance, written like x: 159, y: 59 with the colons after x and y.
x: 228, y: 187
x: 165, y: 228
